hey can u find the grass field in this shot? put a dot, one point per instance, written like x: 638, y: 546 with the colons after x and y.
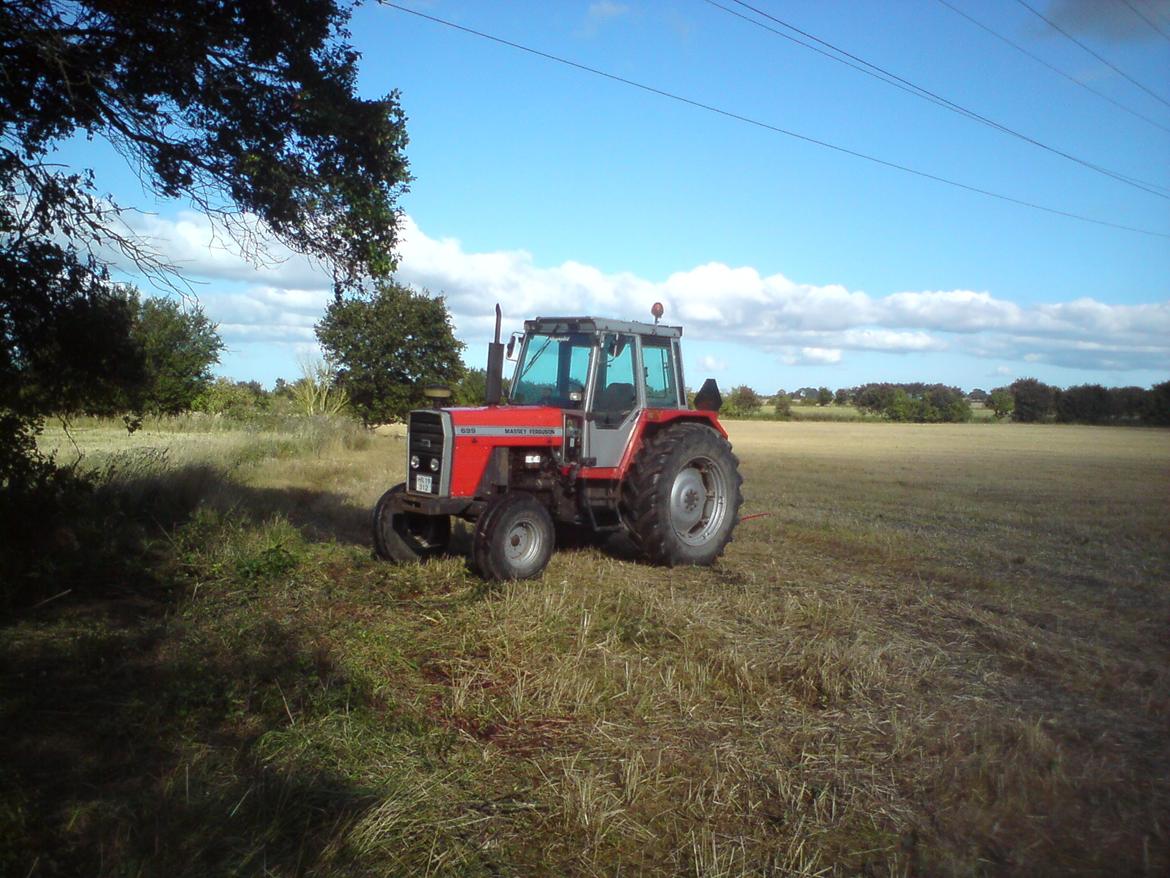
x: 944, y: 651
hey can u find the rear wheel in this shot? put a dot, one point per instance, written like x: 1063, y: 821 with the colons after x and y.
x: 681, y: 500
x: 514, y: 538
x: 408, y: 536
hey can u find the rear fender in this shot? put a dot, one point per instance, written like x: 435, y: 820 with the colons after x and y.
x: 650, y: 421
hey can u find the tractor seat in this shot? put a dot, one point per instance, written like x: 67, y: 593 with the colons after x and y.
x: 618, y: 397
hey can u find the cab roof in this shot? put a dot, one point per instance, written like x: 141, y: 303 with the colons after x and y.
x: 600, y: 324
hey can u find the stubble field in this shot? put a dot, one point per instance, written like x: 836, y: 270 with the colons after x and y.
x: 944, y: 651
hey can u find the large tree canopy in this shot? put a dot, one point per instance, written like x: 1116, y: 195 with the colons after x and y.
x: 388, y: 346
x: 246, y: 109
x: 237, y: 106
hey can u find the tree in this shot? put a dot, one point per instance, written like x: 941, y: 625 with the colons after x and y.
x: 1157, y: 406
x: 874, y: 398
x: 389, y: 344
x: 179, y: 346
x: 1128, y: 404
x: 741, y: 402
x: 248, y: 111
x: 1001, y: 402
x: 824, y: 396
x: 1085, y: 404
x: 841, y: 397
x: 471, y: 389
x: 1032, y: 400
x: 232, y: 399
x: 978, y: 394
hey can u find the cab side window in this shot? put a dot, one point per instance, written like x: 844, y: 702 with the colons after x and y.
x: 615, y: 392
x: 661, y: 374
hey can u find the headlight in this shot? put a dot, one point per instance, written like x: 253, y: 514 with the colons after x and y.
x: 414, y: 461
x: 434, y: 464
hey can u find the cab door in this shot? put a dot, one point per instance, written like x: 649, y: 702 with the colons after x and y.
x: 615, y: 398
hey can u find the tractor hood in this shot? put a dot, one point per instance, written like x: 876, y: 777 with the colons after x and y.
x: 515, y: 421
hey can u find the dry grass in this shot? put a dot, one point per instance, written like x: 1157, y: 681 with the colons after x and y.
x: 943, y: 653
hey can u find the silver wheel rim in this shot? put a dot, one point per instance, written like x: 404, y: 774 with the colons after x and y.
x: 522, y: 543
x: 698, y: 501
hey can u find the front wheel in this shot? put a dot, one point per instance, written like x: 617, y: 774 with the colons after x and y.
x: 407, y: 536
x: 514, y: 538
x: 681, y: 500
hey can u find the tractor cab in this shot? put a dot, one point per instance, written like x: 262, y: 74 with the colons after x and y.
x: 602, y: 373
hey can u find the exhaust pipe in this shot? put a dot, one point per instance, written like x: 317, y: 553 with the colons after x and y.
x: 495, y: 366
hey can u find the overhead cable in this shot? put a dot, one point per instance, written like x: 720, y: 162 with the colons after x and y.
x: 613, y: 77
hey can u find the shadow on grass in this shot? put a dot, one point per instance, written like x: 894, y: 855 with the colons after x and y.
x: 105, y: 538
x: 137, y: 751
x: 133, y: 738
x: 171, y: 497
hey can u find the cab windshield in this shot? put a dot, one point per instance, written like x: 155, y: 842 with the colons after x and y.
x: 553, y: 370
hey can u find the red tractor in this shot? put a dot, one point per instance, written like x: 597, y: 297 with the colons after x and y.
x: 595, y: 433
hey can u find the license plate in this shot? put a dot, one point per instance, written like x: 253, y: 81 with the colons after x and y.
x: 423, y: 483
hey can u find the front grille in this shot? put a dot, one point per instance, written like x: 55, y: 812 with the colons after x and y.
x: 426, y: 438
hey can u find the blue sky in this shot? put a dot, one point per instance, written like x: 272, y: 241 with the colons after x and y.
x: 788, y: 264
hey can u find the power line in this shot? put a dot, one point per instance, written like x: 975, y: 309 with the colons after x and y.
x: 1053, y: 68
x: 767, y: 126
x: 1108, y: 64
x: 926, y: 94
x: 1147, y: 20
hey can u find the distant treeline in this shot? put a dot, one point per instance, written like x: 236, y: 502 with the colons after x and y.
x: 1034, y: 401
x: 1026, y: 400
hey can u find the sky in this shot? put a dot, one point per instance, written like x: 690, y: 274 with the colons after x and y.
x: 788, y: 263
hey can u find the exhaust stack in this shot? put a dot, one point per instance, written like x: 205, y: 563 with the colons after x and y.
x: 495, y: 366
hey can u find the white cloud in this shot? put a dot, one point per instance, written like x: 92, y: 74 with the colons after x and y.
x: 818, y: 356
x: 606, y: 9
x: 600, y: 14
x: 798, y: 322
x: 712, y: 364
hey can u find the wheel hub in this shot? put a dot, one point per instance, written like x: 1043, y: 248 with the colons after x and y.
x: 698, y: 501
x: 687, y: 499
x: 522, y: 542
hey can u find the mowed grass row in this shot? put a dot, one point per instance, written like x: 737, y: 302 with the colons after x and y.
x: 943, y: 651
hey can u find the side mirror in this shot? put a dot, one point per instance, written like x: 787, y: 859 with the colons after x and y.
x: 511, y: 349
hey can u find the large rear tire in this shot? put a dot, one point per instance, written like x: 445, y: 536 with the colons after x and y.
x: 682, y: 496
x: 407, y: 536
x: 514, y: 538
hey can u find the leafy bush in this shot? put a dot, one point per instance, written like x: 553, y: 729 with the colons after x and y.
x: 231, y: 399
x: 741, y: 402
x: 1001, y: 402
